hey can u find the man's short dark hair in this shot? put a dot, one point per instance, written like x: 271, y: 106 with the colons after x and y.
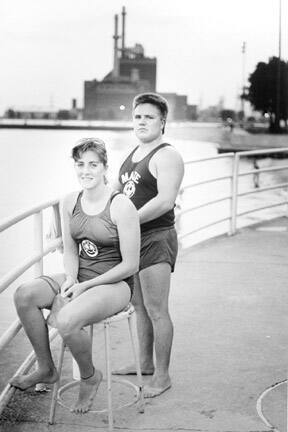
x: 154, y: 99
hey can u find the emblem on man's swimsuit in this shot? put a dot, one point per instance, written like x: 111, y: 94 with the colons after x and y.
x: 89, y: 248
x: 129, y: 188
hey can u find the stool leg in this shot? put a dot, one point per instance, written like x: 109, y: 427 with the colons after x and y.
x: 75, y: 367
x: 135, y: 346
x: 108, y: 373
x: 57, y: 384
x: 91, y: 332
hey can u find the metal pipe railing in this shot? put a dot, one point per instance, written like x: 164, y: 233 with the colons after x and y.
x: 235, y: 183
x: 281, y: 203
x: 263, y: 152
x: 11, y: 276
x: 234, y: 177
x: 211, y: 180
x: 263, y: 170
x: 234, y: 200
x: 10, y: 333
x: 209, y: 158
x: 12, y: 220
x: 263, y: 189
x: 36, y: 260
x: 205, y: 204
x: 210, y: 224
x: 38, y: 243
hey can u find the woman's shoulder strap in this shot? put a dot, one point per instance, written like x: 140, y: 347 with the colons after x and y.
x: 114, y: 194
x: 77, y: 198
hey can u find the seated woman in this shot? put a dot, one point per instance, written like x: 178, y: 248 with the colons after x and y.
x: 101, y: 238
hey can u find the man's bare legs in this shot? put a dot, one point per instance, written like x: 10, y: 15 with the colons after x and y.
x: 155, y: 328
x: 145, y: 335
x: 30, y: 298
x: 92, y: 306
x: 155, y: 284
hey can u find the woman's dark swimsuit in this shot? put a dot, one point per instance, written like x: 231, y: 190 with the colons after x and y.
x: 98, y: 241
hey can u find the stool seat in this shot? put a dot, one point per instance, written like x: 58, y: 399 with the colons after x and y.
x: 126, y: 314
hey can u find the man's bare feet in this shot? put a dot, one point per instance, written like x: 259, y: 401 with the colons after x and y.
x: 87, y: 392
x: 156, y: 387
x: 131, y: 370
x: 23, y: 382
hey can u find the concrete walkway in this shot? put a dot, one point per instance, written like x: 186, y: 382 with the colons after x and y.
x: 229, y: 300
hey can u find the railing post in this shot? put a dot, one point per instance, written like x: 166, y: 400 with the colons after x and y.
x: 38, y: 242
x: 38, y: 266
x: 57, y: 220
x: 286, y: 215
x: 234, y: 199
x: 177, y: 214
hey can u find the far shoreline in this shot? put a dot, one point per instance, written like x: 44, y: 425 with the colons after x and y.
x: 226, y: 140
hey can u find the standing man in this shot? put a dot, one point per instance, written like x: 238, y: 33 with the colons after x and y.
x: 151, y: 177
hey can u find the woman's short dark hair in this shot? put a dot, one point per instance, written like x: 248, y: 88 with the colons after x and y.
x: 93, y: 144
x: 154, y: 99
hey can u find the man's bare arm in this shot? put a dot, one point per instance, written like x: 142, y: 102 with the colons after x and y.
x: 169, y: 171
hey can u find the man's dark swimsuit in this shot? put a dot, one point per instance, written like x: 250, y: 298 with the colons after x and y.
x: 158, y: 236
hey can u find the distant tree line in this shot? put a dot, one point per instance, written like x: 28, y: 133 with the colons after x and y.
x: 268, y: 91
x: 39, y: 115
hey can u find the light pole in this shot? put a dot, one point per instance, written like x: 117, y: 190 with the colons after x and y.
x: 243, y: 78
x: 280, y: 31
x: 278, y: 79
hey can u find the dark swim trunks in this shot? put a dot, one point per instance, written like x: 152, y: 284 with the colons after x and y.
x: 158, y: 246
x: 52, y: 283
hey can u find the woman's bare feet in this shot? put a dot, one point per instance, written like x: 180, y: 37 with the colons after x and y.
x: 87, y: 392
x: 23, y: 382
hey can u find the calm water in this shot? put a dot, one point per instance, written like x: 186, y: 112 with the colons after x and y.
x: 36, y: 166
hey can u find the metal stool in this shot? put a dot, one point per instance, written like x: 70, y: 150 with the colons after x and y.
x: 129, y: 314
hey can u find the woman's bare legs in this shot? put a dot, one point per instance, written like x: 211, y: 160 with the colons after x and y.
x: 92, y: 306
x: 29, y: 299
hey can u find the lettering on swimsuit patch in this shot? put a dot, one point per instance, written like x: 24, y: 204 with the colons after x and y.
x: 130, y: 183
x: 89, y: 248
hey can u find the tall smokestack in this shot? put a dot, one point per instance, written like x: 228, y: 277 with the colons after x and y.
x: 116, y: 37
x: 123, y: 29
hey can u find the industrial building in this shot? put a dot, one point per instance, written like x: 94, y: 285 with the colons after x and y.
x: 133, y: 73
x: 44, y: 113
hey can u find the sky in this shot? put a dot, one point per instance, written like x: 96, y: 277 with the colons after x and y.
x: 50, y: 47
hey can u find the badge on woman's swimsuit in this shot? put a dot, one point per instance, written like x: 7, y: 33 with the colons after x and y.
x: 89, y: 248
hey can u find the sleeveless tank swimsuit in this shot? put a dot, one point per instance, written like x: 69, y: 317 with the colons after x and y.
x: 141, y: 186
x: 98, y: 241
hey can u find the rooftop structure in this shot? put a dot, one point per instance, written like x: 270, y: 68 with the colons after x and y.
x: 133, y: 73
